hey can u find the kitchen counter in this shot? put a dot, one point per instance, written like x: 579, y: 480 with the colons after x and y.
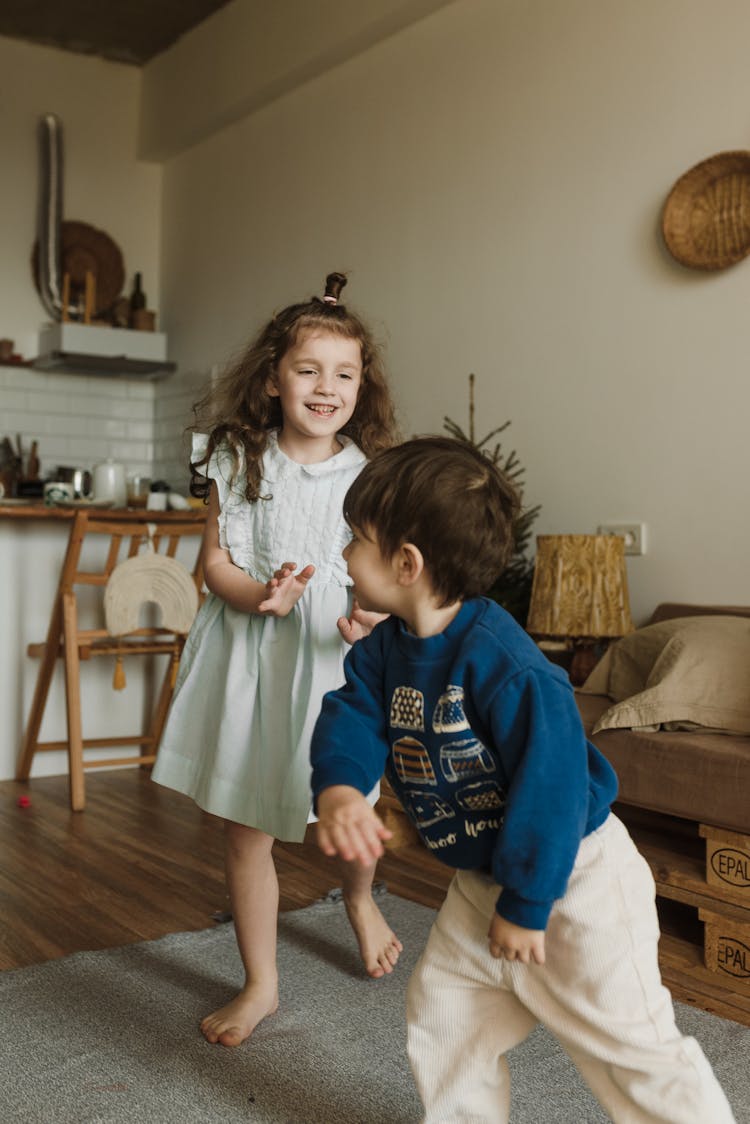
x: 33, y: 541
x: 37, y: 509
x: 34, y: 509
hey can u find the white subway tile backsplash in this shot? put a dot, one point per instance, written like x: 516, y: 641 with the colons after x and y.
x: 39, y: 382
x: 140, y: 430
x: 14, y: 378
x: 141, y: 410
x: 146, y: 391
x: 56, y: 451
x: 44, y: 429
x: 50, y: 403
x: 111, y: 428
x: 107, y: 406
x: 130, y: 450
x: 83, y: 419
x: 110, y: 387
x: 90, y: 450
x: 62, y: 425
x: 17, y: 400
x: 52, y: 445
x: 168, y: 430
x: 171, y: 451
x: 15, y: 421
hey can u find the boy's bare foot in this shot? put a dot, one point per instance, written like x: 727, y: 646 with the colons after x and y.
x: 379, y: 946
x: 235, y: 1022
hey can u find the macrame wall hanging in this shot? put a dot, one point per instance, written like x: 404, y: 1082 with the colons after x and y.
x: 145, y: 578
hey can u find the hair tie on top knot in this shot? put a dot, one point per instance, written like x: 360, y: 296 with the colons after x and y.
x: 330, y: 300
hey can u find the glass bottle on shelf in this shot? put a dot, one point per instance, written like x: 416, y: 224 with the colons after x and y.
x: 137, y: 299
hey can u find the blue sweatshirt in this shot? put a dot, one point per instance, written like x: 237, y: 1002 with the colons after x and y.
x: 481, y: 740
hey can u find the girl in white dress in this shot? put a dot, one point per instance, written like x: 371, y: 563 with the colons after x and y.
x: 288, y: 428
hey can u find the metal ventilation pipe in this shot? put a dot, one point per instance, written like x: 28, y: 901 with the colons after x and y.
x: 50, y: 212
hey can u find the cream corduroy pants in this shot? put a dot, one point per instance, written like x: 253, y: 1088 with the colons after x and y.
x: 599, y: 992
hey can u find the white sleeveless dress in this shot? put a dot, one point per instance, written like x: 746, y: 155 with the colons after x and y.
x: 249, y: 687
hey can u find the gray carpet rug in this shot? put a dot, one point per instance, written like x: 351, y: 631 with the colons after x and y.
x: 112, y: 1037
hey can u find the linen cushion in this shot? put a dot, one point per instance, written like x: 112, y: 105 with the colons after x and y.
x: 683, y: 674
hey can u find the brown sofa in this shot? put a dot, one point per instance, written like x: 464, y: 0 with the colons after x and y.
x: 686, y: 799
x: 698, y: 776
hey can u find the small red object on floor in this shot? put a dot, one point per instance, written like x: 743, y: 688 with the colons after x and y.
x: 24, y: 801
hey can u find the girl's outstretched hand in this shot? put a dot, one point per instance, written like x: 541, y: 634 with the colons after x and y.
x: 359, y: 624
x: 284, y: 570
x: 284, y: 590
x: 349, y: 826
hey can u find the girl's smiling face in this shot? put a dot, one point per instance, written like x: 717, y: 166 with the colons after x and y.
x: 317, y: 382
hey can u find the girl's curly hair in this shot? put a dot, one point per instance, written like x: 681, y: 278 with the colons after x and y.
x: 238, y: 411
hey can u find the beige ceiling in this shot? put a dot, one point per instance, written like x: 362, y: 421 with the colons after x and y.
x: 129, y: 31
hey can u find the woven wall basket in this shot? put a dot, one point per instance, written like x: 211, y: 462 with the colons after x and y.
x: 149, y: 578
x: 706, y: 219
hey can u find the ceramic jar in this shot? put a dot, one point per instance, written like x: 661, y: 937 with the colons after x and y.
x: 109, y: 482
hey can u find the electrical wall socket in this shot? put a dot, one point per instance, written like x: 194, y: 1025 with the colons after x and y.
x: 633, y: 533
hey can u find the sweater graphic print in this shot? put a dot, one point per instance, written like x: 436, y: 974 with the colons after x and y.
x: 466, y: 769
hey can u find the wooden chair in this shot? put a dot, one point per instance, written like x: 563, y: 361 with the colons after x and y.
x: 67, y: 641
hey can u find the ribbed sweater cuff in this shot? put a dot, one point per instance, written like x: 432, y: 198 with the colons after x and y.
x: 338, y: 770
x: 521, y: 911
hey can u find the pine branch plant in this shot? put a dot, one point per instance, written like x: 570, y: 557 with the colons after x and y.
x: 512, y: 589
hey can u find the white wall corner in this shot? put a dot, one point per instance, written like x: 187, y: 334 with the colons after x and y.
x: 249, y: 53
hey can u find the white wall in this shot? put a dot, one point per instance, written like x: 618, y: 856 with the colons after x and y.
x: 76, y: 420
x: 251, y: 52
x: 104, y: 185
x: 492, y: 178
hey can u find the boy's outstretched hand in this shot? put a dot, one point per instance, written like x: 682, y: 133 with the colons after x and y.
x: 348, y: 826
x: 360, y: 623
x: 514, y: 942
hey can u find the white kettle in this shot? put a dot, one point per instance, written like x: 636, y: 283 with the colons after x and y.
x: 109, y: 482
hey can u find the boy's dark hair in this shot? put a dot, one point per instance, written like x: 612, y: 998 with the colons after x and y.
x: 238, y: 409
x: 448, y: 499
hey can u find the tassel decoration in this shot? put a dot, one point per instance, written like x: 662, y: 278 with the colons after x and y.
x: 118, y: 679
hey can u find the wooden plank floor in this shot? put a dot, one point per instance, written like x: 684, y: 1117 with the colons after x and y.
x: 142, y: 862
x: 138, y: 863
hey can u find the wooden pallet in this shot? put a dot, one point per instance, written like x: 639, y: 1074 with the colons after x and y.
x: 704, y: 952
x: 690, y: 981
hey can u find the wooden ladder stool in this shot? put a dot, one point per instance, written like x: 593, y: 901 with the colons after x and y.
x: 67, y: 641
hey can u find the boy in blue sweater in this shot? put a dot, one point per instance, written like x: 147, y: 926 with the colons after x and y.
x: 550, y: 916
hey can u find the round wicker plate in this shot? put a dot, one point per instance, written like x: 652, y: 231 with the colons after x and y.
x: 706, y: 220
x: 84, y: 248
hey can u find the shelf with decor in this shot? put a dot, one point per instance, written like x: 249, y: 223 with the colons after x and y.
x: 90, y: 349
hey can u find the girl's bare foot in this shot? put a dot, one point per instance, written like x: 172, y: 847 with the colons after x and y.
x: 235, y: 1022
x: 379, y: 946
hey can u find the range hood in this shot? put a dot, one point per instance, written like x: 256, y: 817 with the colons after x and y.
x: 67, y: 345
x: 87, y: 349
